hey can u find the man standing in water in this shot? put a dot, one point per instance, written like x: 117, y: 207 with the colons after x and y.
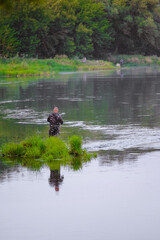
x: 55, y: 120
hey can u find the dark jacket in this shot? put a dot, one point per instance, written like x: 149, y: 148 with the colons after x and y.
x: 55, y: 119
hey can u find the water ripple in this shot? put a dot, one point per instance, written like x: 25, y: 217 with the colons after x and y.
x: 114, y: 137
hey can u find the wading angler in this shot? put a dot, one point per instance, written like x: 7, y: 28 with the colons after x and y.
x: 55, y: 121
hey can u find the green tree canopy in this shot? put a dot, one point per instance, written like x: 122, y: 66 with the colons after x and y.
x: 136, y: 25
x: 72, y: 27
x: 90, y: 28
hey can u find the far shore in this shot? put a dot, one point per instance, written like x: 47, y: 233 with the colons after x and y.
x: 46, y: 67
x: 21, y: 67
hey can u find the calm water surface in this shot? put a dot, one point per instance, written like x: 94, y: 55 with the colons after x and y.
x: 113, y: 197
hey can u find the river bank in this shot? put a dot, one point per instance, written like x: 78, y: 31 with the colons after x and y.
x: 19, y: 67
x: 36, y: 67
x: 134, y: 60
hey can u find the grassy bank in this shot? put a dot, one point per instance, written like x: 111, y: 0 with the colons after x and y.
x: 35, y: 67
x: 135, y: 60
x: 42, y: 67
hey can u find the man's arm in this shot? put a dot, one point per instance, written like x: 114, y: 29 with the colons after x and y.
x: 60, y: 119
x: 48, y: 119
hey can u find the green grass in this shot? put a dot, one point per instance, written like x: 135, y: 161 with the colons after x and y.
x: 27, y: 67
x: 75, y: 149
x: 33, y: 142
x: 75, y: 145
x: 12, y: 149
x: 56, y: 149
x: 38, y: 67
x: 53, y: 151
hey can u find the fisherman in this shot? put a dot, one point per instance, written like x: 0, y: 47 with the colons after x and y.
x: 55, y: 120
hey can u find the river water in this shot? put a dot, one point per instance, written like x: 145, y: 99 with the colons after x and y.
x: 114, y: 196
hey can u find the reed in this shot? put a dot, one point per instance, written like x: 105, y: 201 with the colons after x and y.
x: 56, y: 148
x: 75, y: 145
x: 12, y: 149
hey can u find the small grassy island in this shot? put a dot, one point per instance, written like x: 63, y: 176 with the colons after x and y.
x: 36, y: 67
x: 34, y: 152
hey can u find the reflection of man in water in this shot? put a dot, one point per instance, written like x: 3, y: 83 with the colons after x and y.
x: 120, y: 72
x: 55, y: 179
x: 55, y: 120
x: 121, y: 62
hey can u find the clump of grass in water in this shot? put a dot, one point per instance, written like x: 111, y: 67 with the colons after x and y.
x: 75, y: 143
x: 55, y: 149
x: 13, y: 149
x: 75, y: 148
x: 35, y: 141
x: 32, y: 147
x: 87, y: 156
x: 51, y: 151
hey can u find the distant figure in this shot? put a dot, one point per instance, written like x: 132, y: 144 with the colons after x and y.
x: 121, y: 62
x: 55, y: 120
x: 84, y: 60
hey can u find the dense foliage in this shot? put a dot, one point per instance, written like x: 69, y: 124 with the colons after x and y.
x: 90, y: 28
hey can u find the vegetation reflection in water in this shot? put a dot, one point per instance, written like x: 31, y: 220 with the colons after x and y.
x: 35, y: 152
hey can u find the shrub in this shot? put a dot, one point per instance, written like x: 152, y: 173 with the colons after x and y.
x: 75, y: 145
x: 35, y: 141
x: 55, y: 149
x: 33, y: 152
x: 13, y: 149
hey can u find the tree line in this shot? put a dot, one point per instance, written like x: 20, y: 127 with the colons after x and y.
x: 90, y: 28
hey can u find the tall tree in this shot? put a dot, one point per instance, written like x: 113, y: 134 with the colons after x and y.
x: 85, y: 24
x: 135, y: 24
